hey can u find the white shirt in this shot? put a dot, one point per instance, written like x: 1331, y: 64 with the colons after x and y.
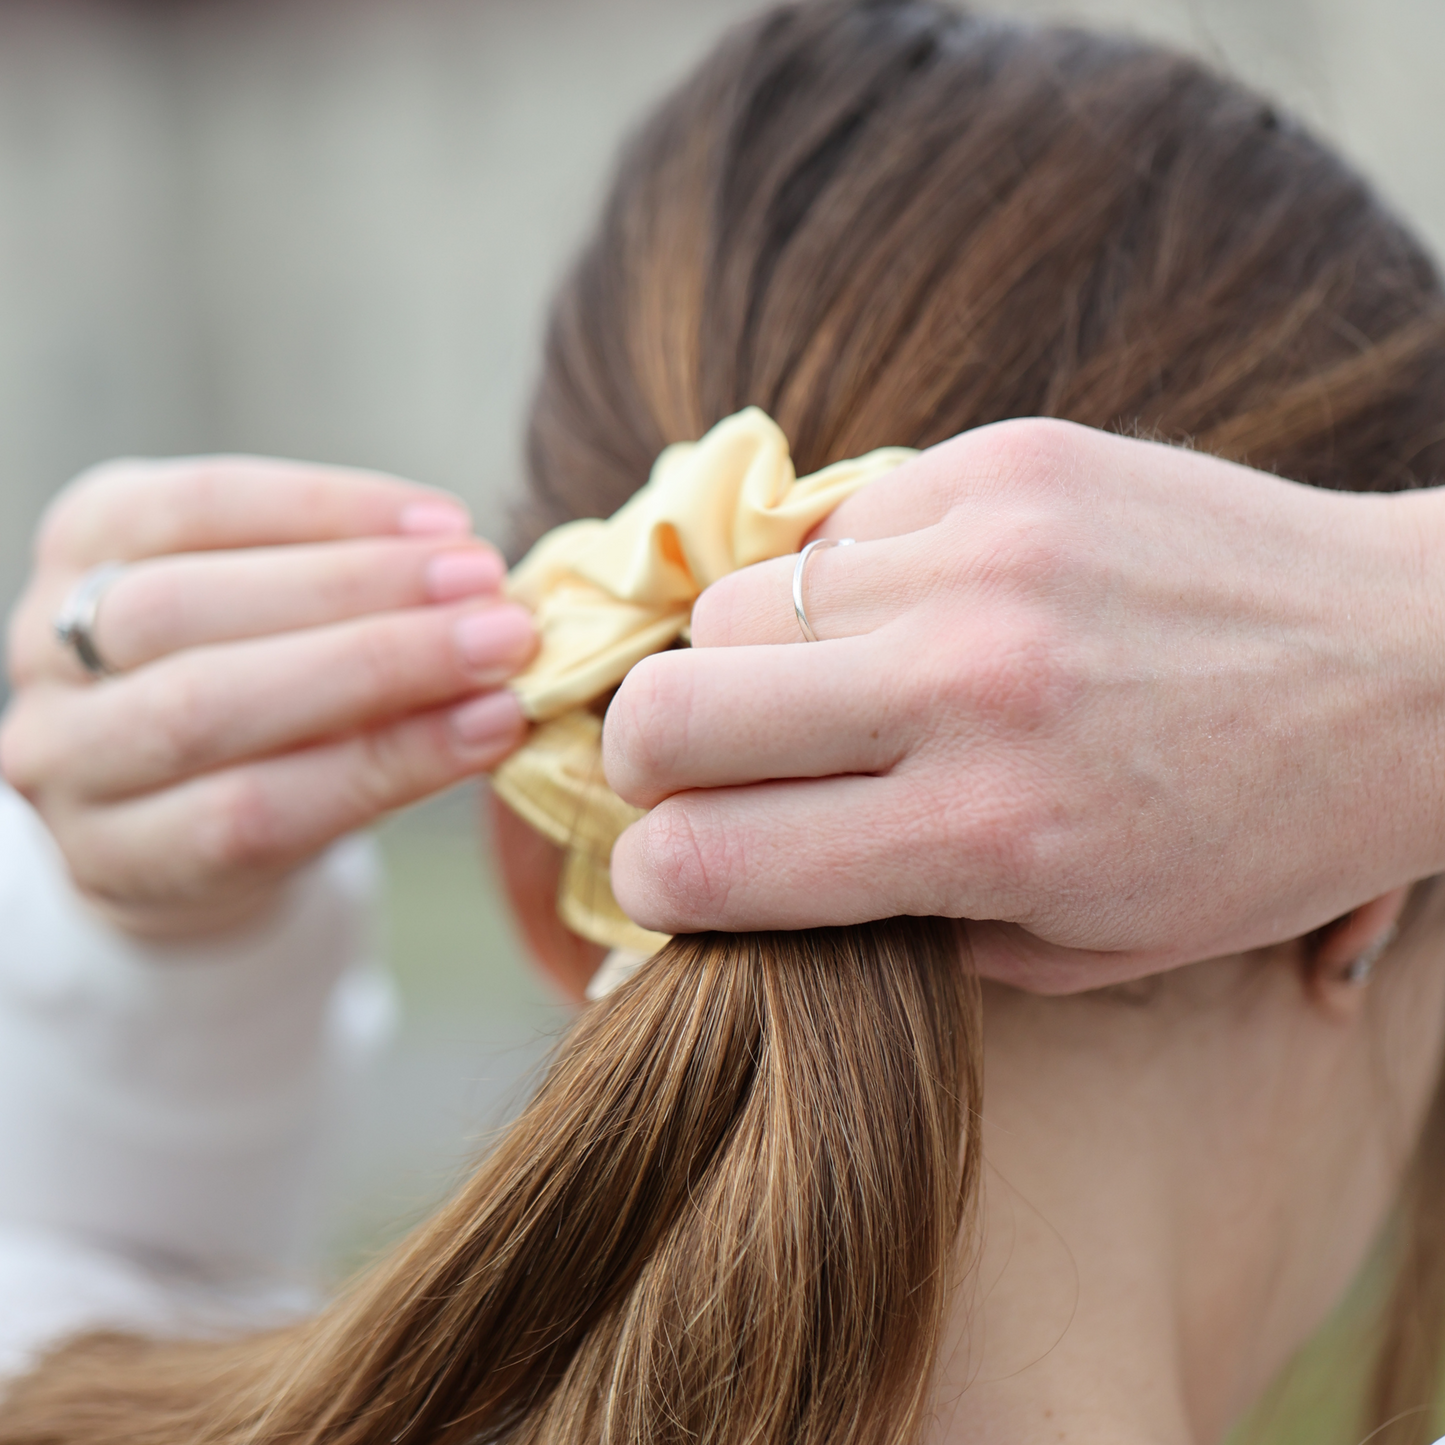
x: 166, y: 1109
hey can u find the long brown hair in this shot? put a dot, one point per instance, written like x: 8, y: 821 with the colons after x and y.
x: 733, y: 1211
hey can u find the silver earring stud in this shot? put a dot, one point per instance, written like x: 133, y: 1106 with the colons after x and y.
x: 1362, y: 968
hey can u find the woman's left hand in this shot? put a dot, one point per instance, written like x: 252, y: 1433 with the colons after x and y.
x: 296, y: 650
x: 1131, y: 705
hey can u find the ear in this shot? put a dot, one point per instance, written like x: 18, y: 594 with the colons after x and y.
x: 531, y: 867
x: 1347, y: 950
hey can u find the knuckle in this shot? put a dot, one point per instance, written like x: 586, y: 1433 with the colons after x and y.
x: 1003, y: 462
x: 692, y: 866
x: 1020, y: 454
x: 179, y: 718
x: 1014, y: 683
x: 645, y: 736
x: 146, y: 604
x: 240, y: 830
x: 384, y: 773
x: 1008, y: 678
x: 1015, y: 553
x: 1003, y: 837
x: 718, y: 614
x: 993, y: 835
x: 917, y: 825
x: 379, y: 656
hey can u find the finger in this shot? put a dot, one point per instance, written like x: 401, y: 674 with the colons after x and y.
x: 971, y: 562
x: 912, y: 497
x: 811, y: 854
x: 847, y: 591
x: 131, y: 509
x: 718, y: 717
x: 231, y: 828
x: 163, y: 605
x: 797, y: 854
x: 215, y: 706
x: 977, y: 470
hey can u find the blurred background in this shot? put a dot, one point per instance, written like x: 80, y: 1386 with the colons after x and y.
x: 329, y: 230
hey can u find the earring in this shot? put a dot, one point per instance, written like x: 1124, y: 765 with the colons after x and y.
x: 1362, y: 968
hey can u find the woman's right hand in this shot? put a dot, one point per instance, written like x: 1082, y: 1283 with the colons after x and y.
x: 296, y: 650
x: 1123, y: 705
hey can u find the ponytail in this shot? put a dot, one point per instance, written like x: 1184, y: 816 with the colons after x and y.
x: 730, y: 1214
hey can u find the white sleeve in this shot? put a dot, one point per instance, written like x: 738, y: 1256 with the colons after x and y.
x: 165, y: 1109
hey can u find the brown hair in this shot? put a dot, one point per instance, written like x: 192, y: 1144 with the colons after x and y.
x: 732, y: 1211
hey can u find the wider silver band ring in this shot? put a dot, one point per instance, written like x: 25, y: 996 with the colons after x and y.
x: 799, y: 609
x: 75, y: 622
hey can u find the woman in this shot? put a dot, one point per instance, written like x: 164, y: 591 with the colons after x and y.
x: 752, y: 1200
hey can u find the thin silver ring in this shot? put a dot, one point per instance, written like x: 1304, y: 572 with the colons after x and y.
x: 75, y: 622
x: 798, y: 608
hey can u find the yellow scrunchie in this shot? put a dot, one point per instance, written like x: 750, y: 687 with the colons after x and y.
x: 605, y: 594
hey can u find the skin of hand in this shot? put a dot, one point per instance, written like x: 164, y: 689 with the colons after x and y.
x: 296, y: 650
x: 1126, y: 705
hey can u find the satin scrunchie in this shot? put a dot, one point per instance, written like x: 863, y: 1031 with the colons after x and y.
x: 605, y: 594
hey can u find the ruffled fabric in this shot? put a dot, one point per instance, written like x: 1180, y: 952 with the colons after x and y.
x: 605, y: 594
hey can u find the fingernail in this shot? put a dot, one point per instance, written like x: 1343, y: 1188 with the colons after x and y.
x: 428, y: 519
x: 486, y: 723
x: 463, y: 574
x: 495, y: 642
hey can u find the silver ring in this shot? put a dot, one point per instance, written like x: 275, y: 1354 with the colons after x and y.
x: 75, y: 622
x: 798, y: 608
